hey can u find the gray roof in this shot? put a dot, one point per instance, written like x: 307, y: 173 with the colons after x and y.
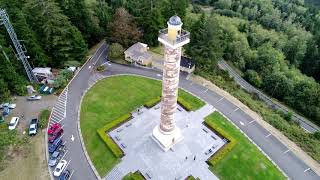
x: 175, y: 20
x: 137, y: 51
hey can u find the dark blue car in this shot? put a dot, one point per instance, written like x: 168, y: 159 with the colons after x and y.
x: 56, y: 143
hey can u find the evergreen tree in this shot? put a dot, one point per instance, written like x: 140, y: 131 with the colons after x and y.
x: 57, y: 34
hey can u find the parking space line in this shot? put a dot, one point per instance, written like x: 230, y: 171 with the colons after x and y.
x: 61, y: 135
x: 268, y: 135
x: 236, y: 109
x: 242, y: 123
x: 306, y: 169
x: 65, y: 142
x: 71, y: 174
x: 286, y: 151
x: 68, y: 164
x: 63, y: 156
x: 220, y: 99
x: 251, y: 121
x: 206, y: 90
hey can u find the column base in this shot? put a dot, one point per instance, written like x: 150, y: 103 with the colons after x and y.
x: 166, y: 141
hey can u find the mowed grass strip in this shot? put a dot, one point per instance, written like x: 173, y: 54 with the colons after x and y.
x: 110, y: 99
x: 244, y: 161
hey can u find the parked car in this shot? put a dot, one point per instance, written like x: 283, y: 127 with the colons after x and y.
x: 53, y: 128
x: 12, y: 106
x: 33, y: 128
x: 65, y: 175
x: 54, y: 146
x: 13, y: 123
x: 59, y: 168
x: 34, y: 98
x: 6, y: 111
x: 55, y: 135
x: 54, y: 158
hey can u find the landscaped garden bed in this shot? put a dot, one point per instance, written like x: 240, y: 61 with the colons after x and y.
x: 108, y: 100
x: 239, y: 159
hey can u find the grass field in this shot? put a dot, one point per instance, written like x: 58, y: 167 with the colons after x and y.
x: 109, y: 99
x: 244, y: 161
x: 29, y: 163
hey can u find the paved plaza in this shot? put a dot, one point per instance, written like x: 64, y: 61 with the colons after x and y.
x: 144, y: 154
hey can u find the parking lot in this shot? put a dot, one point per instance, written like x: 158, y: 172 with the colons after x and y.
x: 28, y: 161
x: 57, y: 118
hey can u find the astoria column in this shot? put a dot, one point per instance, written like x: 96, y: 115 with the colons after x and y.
x: 173, y: 38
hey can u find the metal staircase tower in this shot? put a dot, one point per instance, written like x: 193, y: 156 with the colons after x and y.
x: 4, y: 20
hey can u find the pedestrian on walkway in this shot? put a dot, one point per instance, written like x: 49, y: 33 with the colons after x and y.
x: 194, y: 158
x: 186, y: 157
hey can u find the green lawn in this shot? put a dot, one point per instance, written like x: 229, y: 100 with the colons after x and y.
x: 244, y: 161
x: 106, y: 101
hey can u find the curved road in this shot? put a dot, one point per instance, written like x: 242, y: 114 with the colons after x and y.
x: 284, y: 158
x: 304, y: 123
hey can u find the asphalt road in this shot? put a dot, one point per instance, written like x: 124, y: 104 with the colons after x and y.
x: 286, y: 160
x: 304, y: 123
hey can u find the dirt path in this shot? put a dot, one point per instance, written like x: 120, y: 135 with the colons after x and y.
x: 275, y: 132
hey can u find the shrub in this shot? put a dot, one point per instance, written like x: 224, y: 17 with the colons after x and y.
x: 110, y: 144
x: 189, y: 102
x: 115, y: 51
x: 225, y: 149
x: 152, y: 102
x: 316, y: 135
x: 134, y: 176
x: 106, y: 139
x: 44, y: 118
x: 187, y: 106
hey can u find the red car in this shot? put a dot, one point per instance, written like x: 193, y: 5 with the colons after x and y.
x: 57, y: 133
x: 53, y: 128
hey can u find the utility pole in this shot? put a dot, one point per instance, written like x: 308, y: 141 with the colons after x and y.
x: 20, y: 53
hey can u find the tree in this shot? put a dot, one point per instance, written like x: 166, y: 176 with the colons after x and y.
x: 4, y: 91
x: 253, y: 77
x: 174, y: 7
x: 223, y: 4
x: 123, y: 29
x: 148, y: 16
x: 61, y: 40
x: 115, y: 51
x: 268, y: 61
x: 205, y: 45
x: 80, y: 16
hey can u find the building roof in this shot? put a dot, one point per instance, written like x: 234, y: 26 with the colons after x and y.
x: 175, y: 20
x: 186, y: 62
x: 40, y: 70
x: 138, y: 50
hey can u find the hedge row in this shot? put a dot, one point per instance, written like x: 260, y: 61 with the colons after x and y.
x: 107, y: 139
x: 152, y: 102
x: 225, y: 149
x: 134, y: 176
x: 186, y: 105
x: 44, y: 118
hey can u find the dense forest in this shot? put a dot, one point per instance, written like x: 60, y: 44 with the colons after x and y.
x: 275, y: 43
x: 57, y: 32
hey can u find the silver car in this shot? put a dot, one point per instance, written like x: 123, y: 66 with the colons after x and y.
x: 54, y: 158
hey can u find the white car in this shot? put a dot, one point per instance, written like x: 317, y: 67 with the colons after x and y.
x: 34, y: 97
x: 13, y: 123
x: 59, y: 168
x: 12, y: 106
